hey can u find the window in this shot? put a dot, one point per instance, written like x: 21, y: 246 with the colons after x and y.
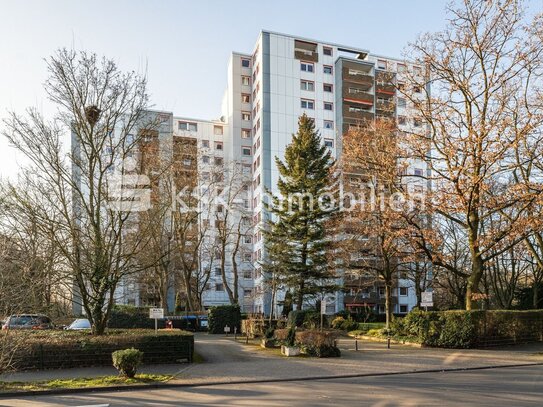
x: 248, y: 239
x: 246, y: 80
x: 218, y: 145
x: 205, y: 143
x: 245, y: 133
x: 188, y: 126
x: 217, y: 271
x: 245, y: 98
x: 327, y: 51
x: 329, y: 124
x: 220, y: 208
x: 328, y: 106
x: 187, y: 162
x: 327, y: 87
x: 247, y: 257
x: 381, y: 292
x: 247, y: 292
x: 219, y: 287
x: 248, y: 275
x: 402, y: 120
x: 306, y: 66
x: 401, y: 68
x: 245, y: 116
x: 403, y: 309
x: 417, y: 70
x: 328, y: 69
x: 245, y: 151
x: 417, y: 89
x: 307, y: 104
x: 417, y: 122
x: 401, y: 86
x: 218, y: 130
x: 246, y: 63
x: 404, y: 291
x: 418, y: 172
x: 381, y: 64
x: 307, y: 85
x: 205, y: 159
x: 329, y: 142
x: 402, y: 102
x: 218, y: 160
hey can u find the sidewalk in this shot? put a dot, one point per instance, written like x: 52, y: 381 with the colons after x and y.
x: 227, y: 360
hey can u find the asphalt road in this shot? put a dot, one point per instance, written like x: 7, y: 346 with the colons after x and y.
x: 520, y: 386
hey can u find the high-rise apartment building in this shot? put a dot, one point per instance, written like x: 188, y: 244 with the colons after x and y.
x: 267, y: 90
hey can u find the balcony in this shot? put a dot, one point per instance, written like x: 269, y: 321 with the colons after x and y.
x: 305, y: 55
x: 385, y: 106
x: 367, y: 299
x: 305, y: 51
x: 357, y: 113
x: 358, y: 76
x: 357, y: 95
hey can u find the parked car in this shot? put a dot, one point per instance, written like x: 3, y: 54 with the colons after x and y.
x: 28, y: 321
x: 78, y: 324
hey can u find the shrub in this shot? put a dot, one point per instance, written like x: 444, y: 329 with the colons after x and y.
x: 296, y: 318
x: 349, y: 325
x: 291, y: 337
x: 127, y: 361
x: 322, y: 351
x: 312, y: 319
x: 337, y: 322
x: 66, y: 349
x: 281, y: 334
x: 224, y: 315
x: 269, y: 333
x: 129, y: 317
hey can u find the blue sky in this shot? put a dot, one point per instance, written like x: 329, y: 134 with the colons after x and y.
x: 184, y: 45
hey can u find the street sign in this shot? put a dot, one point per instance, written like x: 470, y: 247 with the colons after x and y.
x: 156, y: 313
x: 323, y: 306
x: 427, y: 299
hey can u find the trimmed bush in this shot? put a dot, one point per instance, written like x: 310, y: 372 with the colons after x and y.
x: 127, y: 361
x: 66, y: 349
x: 468, y: 329
x: 296, y: 318
x: 224, y: 315
x: 129, y: 317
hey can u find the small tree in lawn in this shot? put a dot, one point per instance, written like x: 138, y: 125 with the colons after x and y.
x: 298, y: 224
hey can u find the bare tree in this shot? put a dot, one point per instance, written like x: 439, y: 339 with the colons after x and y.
x: 71, y: 195
x: 233, y: 223
x: 482, y: 68
x: 376, y: 234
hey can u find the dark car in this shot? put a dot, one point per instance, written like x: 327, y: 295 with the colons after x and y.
x: 28, y: 321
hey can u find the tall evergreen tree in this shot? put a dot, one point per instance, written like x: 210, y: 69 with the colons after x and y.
x: 296, y: 235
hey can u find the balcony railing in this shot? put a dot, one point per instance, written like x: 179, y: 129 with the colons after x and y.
x: 357, y: 76
x: 357, y: 94
x: 306, y: 55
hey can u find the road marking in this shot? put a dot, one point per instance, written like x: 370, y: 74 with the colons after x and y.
x: 95, y: 405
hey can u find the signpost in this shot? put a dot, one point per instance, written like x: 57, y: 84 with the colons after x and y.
x: 323, y: 311
x: 156, y: 314
x: 427, y: 299
x: 226, y: 330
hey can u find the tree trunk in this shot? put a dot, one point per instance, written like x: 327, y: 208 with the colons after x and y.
x: 535, y: 295
x: 473, y: 282
x: 388, y: 303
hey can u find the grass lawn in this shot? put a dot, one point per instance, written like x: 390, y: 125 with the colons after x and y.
x: 102, y: 381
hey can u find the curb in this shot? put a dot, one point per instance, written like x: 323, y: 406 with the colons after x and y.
x: 167, y: 385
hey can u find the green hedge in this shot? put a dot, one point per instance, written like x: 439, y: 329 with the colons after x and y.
x: 224, y: 315
x: 66, y: 349
x: 468, y: 329
x: 129, y: 317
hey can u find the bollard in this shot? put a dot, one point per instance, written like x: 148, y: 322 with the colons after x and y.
x: 356, y: 344
x: 388, y: 342
x: 247, y: 338
x: 235, y: 333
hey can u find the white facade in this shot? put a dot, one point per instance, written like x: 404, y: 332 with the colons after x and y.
x: 267, y: 90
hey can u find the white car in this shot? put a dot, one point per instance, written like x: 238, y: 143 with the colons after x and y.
x: 78, y: 324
